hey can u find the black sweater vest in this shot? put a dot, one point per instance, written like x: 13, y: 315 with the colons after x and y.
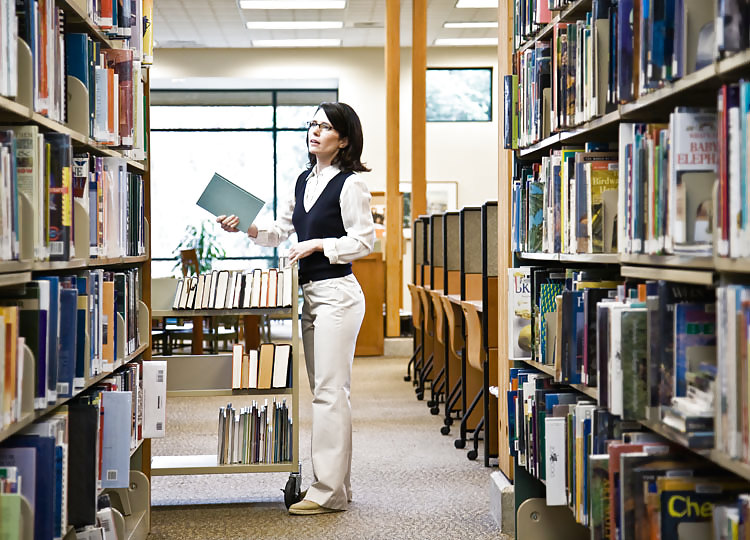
x: 322, y: 221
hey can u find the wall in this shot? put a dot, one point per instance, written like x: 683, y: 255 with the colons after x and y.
x: 463, y: 152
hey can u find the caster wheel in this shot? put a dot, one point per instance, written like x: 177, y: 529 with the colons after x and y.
x: 431, y: 403
x: 459, y: 443
x: 291, y: 492
x: 448, y: 421
x: 420, y: 396
x: 407, y: 378
x: 472, y: 455
x: 445, y: 430
x: 435, y: 410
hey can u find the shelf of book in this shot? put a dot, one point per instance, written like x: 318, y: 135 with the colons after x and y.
x: 590, y: 391
x: 596, y: 258
x: 76, y: 16
x: 737, y: 467
x: 218, y: 312
x: 14, y: 279
x: 40, y: 413
x: 587, y: 131
x: 694, y: 277
x: 673, y: 261
x: 231, y: 392
x: 740, y: 266
x: 570, y: 13
x: 207, y: 464
x: 24, y: 114
x: 538, y: 256
x: 12, y: 267
x: 544, y: 368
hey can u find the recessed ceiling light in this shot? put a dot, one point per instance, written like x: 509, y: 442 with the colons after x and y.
x: 292, y: 4
x: 476, y: 4
x: 458, y: 42
x: 488, y: 24
x: 296, y: 43
x: 293, y: 25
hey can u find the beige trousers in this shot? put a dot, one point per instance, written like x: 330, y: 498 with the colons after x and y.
x: 331, y: 317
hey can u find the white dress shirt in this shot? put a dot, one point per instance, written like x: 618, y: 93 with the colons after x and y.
x: 355, y: 215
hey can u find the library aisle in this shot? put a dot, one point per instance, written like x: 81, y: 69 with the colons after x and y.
x: 408, y: 481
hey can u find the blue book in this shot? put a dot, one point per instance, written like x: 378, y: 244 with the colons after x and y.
x: 53, y: 335
x: 117, y: 406
x: 44, y: 489
x: 66, y: 368
x: 694, y: 325
x: 77, y: 57
x: 24, y: 459
x: 562, y: 398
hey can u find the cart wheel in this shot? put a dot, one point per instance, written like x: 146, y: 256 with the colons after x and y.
x: 407, y: 378
x: 459, y: 443
x: 431, y: 403
x: 420, y: 396
x: 445, y: 430
x: 471, y: 454
x: 435, y: 410
x: 291, y: 491
x: 448, y: 421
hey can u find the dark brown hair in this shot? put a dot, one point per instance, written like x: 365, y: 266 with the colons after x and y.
x: 346, y: 122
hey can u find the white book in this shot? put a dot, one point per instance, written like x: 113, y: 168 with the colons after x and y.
x: 237, y: 295
x: 212, y: 289
x: 231, y: 284
x: 288, y: 290
x: 154, y: 399
x: 281, y: 354
x: 237, y: 365
x: 221, y: 289
x: 252, y: 368
x: 248, y: 289
x: 199, y: 291
x: 273, y: 276
x: 177, y: 294
x: 734, y: 179
x: 107, y: 521
x: 207, y: 290
x: 264, y: 290
x: 45, y: 303
x: 193, y: 284
x: 555, y: 451
x: 185, y: 293
x: 256, y: 289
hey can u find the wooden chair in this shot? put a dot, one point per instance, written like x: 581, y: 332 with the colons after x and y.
x: 455, y: 339
x: 438, y: 387
x: 416, y: 319
x: 428, y: 334
x: 475, y: 358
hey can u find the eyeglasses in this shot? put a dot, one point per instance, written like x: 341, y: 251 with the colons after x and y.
x: 322, y: 125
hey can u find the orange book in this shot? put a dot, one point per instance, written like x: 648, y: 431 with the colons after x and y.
x: 10, y: 330
x: 109, y: 324
x: 265, y: 365
x: 244, y: 383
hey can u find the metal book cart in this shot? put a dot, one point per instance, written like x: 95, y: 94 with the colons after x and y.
x: 211, y: 375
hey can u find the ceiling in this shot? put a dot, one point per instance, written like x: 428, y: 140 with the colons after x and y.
x: 221, y: 23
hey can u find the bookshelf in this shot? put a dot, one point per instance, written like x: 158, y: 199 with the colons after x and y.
x: 211, y: 375
x: 559, y: 102
x: 130, y: 512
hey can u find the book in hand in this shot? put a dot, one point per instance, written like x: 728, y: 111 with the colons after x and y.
x: 222, y: 197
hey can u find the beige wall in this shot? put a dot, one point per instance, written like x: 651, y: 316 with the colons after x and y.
x: 462, y: 152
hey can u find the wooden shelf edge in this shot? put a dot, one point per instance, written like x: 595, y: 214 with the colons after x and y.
x: 669, y: 261
x: 7, y: 280
x: 230, y: 391
x: 218, y: 312
x: 696, y: 277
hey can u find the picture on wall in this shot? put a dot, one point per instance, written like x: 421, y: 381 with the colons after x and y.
x: 441, y: 197
x: 459, y: 94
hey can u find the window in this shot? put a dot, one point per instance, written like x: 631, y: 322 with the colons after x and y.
x: 257, y: 139
x: 459, y: 95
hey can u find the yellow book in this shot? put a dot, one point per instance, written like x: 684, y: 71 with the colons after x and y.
x: 265, y: 365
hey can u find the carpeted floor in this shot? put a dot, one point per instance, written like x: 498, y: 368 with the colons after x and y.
x: 409, y: 482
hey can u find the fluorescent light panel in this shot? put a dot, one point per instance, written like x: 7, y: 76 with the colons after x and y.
x: 476, y: 4
x: 292, y: 4
x: 458, y: 42
x: 294, y: 25
x: 296, y: 43
x: 488, y: 24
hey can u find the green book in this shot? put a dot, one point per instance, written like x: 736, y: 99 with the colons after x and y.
x: 222, y: 197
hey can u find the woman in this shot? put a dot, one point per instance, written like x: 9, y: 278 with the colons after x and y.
x: 330, y: 212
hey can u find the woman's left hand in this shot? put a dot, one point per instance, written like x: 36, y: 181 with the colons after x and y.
x: 303, y: 249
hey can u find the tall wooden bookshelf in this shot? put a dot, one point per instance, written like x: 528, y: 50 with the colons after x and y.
x: 131, y: 505
x: 695, y: 89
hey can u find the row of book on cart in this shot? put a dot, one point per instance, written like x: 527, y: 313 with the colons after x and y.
x: 255, y: 434
x: 229, y: 289
x: 62, y: 463
x: 268, y: 366
x: 652, y: 352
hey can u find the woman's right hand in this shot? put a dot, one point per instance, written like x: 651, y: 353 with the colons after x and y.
x: 228, y: 223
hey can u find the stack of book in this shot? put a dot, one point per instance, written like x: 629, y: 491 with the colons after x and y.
x: 269, y: 366
x: 71, y: 326
x: 255, y: 434
x: 225, y: 289
x: 62, y: 463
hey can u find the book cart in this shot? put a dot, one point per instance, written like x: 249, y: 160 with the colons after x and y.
x: 131, y: 506
x: 699, y: 88
x: 211, y: 375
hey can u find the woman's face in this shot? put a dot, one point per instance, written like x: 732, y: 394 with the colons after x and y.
x: 322, y: 140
